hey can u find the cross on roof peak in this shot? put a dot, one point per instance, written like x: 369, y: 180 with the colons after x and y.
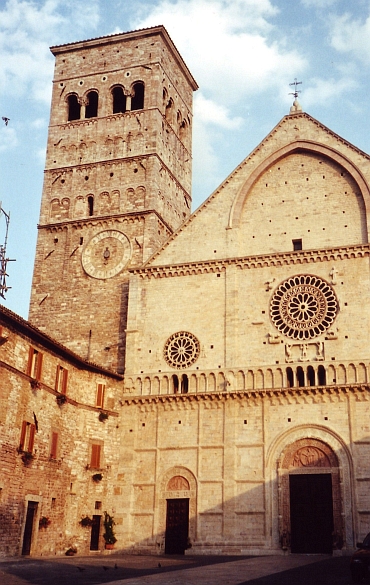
x: 296, y: 91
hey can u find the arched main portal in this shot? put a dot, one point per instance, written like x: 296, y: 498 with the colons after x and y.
x: 310, y: 500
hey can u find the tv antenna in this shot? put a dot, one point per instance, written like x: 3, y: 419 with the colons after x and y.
x: 3, y: 259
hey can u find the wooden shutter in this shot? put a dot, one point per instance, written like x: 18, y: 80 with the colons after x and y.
x: 30, y: 358
x: 64, y: 381
x: 54, y: 445
x: 95, y: 456
x: 31, y: 438
x: 100, y: 395
x: 38, y: 366
x: 23, y: 435
x: 57, y: 379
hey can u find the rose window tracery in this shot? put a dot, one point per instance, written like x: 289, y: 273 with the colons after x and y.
x: 303, y: 307
x: 181, y: 350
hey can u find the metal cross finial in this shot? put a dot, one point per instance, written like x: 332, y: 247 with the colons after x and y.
x: 296, y: 91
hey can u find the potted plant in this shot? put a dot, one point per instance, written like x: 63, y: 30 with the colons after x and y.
x: 71, y: 551
x: 44, y: 522
x: 86, y: 521
x: 109, y: 535
x: 27, y: 457
x: 61, y: 399
x: 103, y: 416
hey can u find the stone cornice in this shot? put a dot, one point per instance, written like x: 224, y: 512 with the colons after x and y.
x: 128, y: 36
x: 247, y: 262
x: 111, y: 219
x: 296, y: 395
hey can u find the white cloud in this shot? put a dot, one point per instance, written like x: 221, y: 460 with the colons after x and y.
x: 318, y: 3
x: 39, y: 123
x: 8, y: 137
x: 212, y: 113
x: 350, y: 35
x: 327, y: 91
x: 226, y: 43
x: 231, y: 48
x: 26, y: 30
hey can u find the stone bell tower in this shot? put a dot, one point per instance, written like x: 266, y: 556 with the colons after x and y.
x: 117, y: 183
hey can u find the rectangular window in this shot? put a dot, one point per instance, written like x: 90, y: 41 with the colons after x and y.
x: 34, y: 363
x: 61, y: 380
x: 95, y: 456
x: 54, y: 445
x: 297, y: 245
x: 100, y: 391
x: 27, y: 436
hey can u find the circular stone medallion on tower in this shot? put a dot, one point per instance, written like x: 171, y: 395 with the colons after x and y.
x: 106, y: 254
x: 303, y: 307
x: 181, y: 350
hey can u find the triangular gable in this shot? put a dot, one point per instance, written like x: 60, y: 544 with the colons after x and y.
x: 210, y: 233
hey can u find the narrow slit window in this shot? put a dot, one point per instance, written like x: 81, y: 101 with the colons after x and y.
x: 90, y: 205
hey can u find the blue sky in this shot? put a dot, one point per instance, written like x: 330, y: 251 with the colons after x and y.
x: 243, y: 54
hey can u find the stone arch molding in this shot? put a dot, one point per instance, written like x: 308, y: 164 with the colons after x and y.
x: 293, y: 147
x: 310, y: 449
x: 175, y: 477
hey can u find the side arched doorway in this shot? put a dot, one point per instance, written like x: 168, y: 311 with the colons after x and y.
x: 177, y: 516
x: 177, y: 510
x: 310, y: 499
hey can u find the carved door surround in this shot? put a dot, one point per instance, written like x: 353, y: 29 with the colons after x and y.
x: 176, y: 483
x: 308, y: 456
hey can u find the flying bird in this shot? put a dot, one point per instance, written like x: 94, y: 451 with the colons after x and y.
x: 6, y: 120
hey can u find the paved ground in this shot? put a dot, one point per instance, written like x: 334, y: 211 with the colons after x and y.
x: 171, y: 570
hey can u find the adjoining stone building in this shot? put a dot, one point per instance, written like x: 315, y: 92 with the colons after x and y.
x: 242, y: 422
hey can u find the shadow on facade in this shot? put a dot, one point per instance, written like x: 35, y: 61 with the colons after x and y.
x: 297, y: 497
x: 303, y: 504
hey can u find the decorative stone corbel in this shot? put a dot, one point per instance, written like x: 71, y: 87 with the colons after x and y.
x: 269, y: 283
x: 333, y: 275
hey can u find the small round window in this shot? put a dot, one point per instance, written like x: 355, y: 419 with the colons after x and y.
x: 181, y: 350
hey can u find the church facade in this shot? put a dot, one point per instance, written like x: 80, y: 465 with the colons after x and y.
x: 233, y: 342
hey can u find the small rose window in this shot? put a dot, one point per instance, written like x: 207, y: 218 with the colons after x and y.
x: 181, y: 350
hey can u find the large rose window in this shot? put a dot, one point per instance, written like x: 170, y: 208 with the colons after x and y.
x: 303, y: 307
